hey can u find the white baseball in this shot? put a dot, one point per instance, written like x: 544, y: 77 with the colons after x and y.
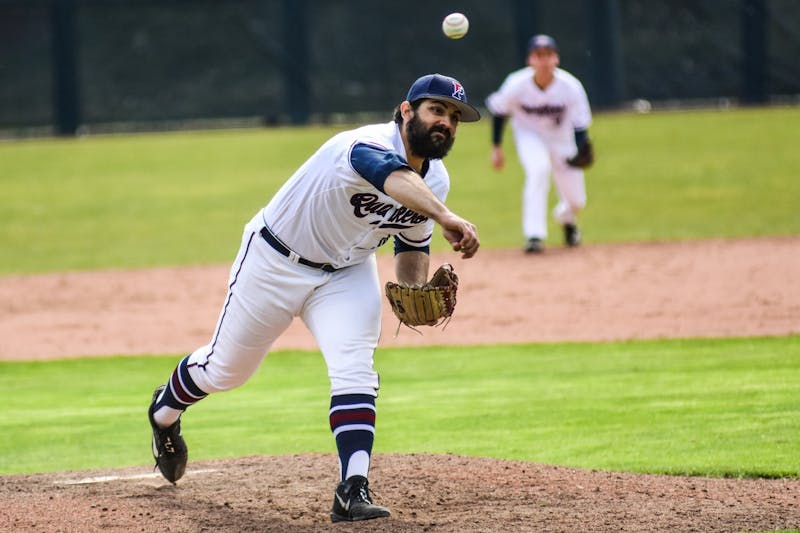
x: 455, y: 25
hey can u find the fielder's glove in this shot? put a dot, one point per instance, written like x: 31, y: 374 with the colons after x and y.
x: 425, y: 305
x: 585, y: 156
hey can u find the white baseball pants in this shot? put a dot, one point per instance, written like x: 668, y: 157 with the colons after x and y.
x: 541, y: 158
x: 342, y: 309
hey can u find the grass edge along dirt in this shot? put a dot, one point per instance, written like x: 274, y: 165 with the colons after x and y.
x: 708, y: 407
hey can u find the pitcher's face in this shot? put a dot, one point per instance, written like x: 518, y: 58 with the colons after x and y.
x: 432, y: 130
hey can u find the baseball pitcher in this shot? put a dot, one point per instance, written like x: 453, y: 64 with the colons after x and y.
x: 310, y: 253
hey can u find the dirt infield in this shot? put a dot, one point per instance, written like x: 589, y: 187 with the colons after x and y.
x: 610, y: 292
x: 441, y: 493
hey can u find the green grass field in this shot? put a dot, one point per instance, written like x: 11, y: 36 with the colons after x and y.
x: 706, y: 407
x: 711, y: 407
x: 182, y: 198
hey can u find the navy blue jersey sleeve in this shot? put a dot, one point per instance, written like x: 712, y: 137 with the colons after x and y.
x: 498, y: 124
x: 581, y: 136
x: 400, y: 247
x: 375, y: 163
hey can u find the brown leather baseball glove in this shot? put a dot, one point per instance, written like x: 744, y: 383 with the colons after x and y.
x: 425, y: 305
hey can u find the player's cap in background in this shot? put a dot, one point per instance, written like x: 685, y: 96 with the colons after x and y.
x: 542, y: 41
x: 444, y: 88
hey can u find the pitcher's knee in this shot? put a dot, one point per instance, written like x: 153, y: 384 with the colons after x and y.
x: 212, y: 376
x: 354, y: 382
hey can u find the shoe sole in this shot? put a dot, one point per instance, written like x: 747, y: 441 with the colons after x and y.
x: 339, y: 518
x: 538, y: 249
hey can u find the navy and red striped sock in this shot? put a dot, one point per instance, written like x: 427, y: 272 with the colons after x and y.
x: 352, y: 418
x: 180, y: 393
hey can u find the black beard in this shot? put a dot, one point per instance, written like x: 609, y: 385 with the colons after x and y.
x: 422, y: 142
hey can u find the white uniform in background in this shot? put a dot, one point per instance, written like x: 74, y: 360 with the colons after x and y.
x: 544, y: 124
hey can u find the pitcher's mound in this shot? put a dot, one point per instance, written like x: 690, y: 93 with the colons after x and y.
x: 445, y: 493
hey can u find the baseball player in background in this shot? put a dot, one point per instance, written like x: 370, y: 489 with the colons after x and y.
x: 310, y: 253
x: 550, y: 117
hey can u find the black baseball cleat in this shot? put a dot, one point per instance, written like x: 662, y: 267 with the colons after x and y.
x: 352, y: 502
x: 169, y: 448
x: 572, y: 236
x: 534, y: 246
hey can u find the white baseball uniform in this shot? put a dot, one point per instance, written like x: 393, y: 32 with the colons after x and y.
x: 310, y: 253
x: 544, y: 122
x: 326, y: 213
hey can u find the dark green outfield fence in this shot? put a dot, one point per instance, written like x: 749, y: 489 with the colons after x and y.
x: 74, y: 65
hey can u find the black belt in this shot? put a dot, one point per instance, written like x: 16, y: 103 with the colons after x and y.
x: 273, y: 241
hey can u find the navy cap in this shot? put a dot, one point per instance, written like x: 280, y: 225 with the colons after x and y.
x: 542, y: 41
x: 444, y: 88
